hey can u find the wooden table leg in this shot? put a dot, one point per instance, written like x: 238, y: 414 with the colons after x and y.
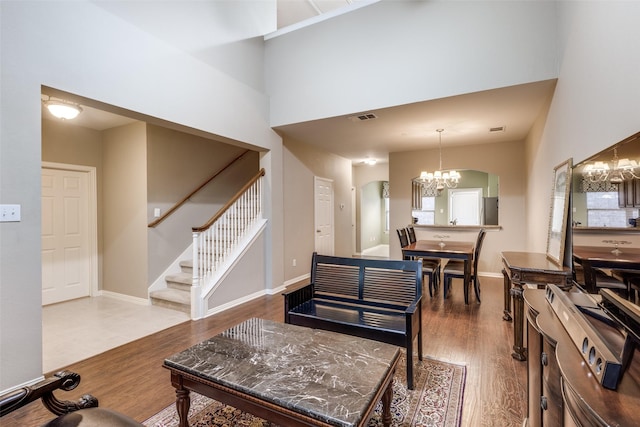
x: 183, y: 402
x: 506, y: 314
x: 386, y: 405
x: 519, y: 351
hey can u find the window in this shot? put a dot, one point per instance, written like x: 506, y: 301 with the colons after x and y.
x: 603, y: 210
x: 426, y: 215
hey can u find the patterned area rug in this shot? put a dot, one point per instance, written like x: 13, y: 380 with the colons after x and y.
x: 436, y: 401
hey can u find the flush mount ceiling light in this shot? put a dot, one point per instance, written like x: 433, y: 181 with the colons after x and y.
x: 370, y: 162
x: 440, y: 179
x: 62, y: 109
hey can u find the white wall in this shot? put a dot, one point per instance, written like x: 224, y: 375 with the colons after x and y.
x: 116, y: 63
x: 596, y: 99
x: 398, y: 52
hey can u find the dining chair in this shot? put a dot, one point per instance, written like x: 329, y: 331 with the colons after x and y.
x: 631, y: 278
x: 454, y: 269
x: 430, y: 266
x: 597, y: 278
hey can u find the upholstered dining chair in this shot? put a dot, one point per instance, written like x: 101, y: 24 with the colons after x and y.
x: 455, y: 269
x: 430, y: 266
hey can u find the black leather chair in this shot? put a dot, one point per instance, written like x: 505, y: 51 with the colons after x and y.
x: 431, y: 267
x: 455, y: 269
x: 83, y: 413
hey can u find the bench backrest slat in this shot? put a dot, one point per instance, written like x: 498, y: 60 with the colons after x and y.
x: 390, y: 285
x: 388, y: 281
x: 337, y: 279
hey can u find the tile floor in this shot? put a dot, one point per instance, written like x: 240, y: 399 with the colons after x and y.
x: 377, y: 251
x: 78, y: 329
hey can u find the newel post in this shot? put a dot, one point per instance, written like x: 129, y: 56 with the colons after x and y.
x: 196, y: 303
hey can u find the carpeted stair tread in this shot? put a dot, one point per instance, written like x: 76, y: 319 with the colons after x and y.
x: 174, y: 295
x: 182, y: 278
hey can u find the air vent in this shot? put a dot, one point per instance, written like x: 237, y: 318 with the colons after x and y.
x: 363, y: 117
x: 497, y: 129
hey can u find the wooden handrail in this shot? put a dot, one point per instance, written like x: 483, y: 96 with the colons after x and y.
x: 229, y: 203
x: 190, y: 195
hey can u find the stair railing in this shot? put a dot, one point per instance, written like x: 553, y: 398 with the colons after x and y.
x: 175, y: 207
x: 215, y: 240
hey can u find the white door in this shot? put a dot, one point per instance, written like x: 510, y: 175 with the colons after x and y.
x: 324, y: 216
x: 465, y: 206
x: 66, y: 265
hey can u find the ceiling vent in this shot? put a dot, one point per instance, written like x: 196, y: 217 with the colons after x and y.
x: 363, y: 117
x: 497, y: 129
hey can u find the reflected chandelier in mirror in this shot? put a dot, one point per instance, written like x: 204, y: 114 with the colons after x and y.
x: 606, y: 187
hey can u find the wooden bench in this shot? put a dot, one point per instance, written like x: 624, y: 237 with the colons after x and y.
x: 374, y: 299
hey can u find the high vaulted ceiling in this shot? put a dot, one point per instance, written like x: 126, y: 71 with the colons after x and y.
x: 466, y: 119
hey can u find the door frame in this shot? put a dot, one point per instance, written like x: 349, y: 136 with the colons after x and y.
x: 92, y: 220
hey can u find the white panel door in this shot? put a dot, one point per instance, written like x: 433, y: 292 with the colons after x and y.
x: 324, y: 216
x: 65, y: 235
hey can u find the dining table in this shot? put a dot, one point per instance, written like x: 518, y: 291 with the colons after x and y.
x: 590, y: 257
x: 444, y: 249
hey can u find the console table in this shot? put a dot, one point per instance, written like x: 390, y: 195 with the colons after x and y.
x: 519, y: 269
x: 290, y: 375
x: 562, y: 391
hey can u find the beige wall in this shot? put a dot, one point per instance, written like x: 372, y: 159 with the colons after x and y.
x: 503, y: 159
x: 178, y: 163
x: 302, y: 163
x: 125, y: 210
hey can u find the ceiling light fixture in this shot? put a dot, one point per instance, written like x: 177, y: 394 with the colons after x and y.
x: 439, y: 179
x: 620, y: 170
x: 62, y: 109
x: 370, y: 162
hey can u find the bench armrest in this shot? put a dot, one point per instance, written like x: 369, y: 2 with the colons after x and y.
x: 415, y: 304
x: 63, y: 380
x: 295, y: 297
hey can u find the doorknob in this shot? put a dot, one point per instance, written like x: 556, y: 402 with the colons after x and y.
x: 317, y: 231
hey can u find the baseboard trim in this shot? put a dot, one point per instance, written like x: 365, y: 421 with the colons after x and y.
x: 123, y: 297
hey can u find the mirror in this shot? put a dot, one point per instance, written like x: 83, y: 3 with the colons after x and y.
x: 603, y: 199
x: 559, y: 212
x: 474, y: 201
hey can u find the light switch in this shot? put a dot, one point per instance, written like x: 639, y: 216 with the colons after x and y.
x: 156, y: 212
x: 9, y: 213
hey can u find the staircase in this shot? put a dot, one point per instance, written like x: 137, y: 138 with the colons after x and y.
x: 177, y: 294
x: 215, y: 245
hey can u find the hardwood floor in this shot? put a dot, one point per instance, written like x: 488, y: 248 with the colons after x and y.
x: 130, y: 378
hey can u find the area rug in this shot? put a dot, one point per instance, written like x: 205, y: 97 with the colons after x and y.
x: 436, y: 401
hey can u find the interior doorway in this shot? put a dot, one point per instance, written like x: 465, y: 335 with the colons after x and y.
x: 69, y: 232
x: 323, y: 196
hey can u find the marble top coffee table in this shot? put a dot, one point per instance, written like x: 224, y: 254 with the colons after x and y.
x: 287, y: 374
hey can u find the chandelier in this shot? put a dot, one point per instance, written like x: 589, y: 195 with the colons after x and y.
x: 439, y: 180
x: 620, y: 170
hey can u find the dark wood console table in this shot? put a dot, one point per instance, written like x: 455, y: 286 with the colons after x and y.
x: 562, y: 391
x: 519, y: 269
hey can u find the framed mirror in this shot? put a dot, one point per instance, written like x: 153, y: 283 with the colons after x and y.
x: 559, y: 212
x: 605, y: 194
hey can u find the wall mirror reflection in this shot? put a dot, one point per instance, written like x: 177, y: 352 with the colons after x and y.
x: 472, y: 201
x: 606, y: 187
